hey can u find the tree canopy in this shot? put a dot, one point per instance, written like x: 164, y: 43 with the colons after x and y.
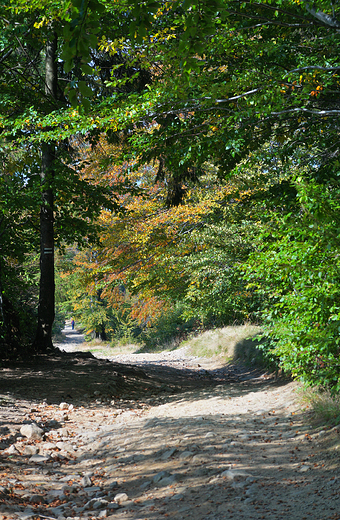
x: 197, y: 142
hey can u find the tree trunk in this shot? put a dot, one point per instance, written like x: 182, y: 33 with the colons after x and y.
x: 43, y: 339
x: 3, y: 320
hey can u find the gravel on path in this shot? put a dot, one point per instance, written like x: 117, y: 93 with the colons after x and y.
x: 236, y: 450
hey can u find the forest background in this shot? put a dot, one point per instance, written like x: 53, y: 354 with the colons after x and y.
x: 172, y: 166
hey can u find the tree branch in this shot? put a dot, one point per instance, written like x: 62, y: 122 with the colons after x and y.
x: 317, y: 67
x: 328, y: 20
x: 321, y: 113
x: 235, y: 98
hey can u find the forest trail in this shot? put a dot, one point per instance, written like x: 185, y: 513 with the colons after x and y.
x: 159, y: 436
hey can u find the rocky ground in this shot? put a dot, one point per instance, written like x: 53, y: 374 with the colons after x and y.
x: 152, y: 436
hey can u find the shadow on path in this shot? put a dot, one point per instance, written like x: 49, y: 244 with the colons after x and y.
x: 82, y: 378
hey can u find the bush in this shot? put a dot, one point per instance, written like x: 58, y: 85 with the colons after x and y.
x: 167, y: 332
x: 298, y: 273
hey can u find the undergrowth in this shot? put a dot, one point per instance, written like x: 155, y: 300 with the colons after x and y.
x: 233, y: 343
x: 236, y: 343
x: 166, y: 333
x: 324, y: 406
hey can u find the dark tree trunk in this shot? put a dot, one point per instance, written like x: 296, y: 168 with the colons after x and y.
x: 43, y: 339
x: 103, y: 335
x: 3, y: 320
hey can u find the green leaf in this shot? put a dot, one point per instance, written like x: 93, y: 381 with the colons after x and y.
x: 86, y: 105
x: 84, y: 89
x: 68, y: 65
x: 86, y: 68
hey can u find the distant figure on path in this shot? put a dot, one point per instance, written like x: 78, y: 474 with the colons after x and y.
x: 72, y: 324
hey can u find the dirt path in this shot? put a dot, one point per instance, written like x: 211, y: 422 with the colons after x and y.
x: 146, y: 437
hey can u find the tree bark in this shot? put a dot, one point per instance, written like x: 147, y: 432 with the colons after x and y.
x: 46, y: 307
x: 3, y: 321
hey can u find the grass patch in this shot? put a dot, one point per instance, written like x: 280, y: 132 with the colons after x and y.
x: 324, y: 406
x: 234, y: 343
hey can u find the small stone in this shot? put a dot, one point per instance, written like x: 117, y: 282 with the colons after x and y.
x: 168, y: 481
x: 101, y: 502
x: 53, y: 493
x: 65, y: 446
x: 63, y: 406
x: 32, y: 431
x: 12, y: 450
x: 85, y: 482
x: 167, y: 454
x: 91, y: 490
x: 303, y: 469
x: 47, y: 446
x: 145, y: 484
x: 57, y: 511
x: 112, y: 505
x: 214, y: 480
x: 179, y: 496
x: 121, y: 497
x: 38, y: 459
x: 186, y: 455
x: 30, y: 450
x: 26, y: 514
x: 200, y: 458
x: 160, y: 476
x: 36, y: 499
x: 232, y: 474
x: 53, y: 423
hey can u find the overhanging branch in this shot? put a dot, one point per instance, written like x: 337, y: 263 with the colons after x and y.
x: 314, y: 67
x: 327, y: 19
x: 320, y: 113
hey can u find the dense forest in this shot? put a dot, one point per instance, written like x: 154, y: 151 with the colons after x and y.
x: 172, y: 163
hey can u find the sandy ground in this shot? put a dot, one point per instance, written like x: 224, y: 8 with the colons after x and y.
x: 172, y: 436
